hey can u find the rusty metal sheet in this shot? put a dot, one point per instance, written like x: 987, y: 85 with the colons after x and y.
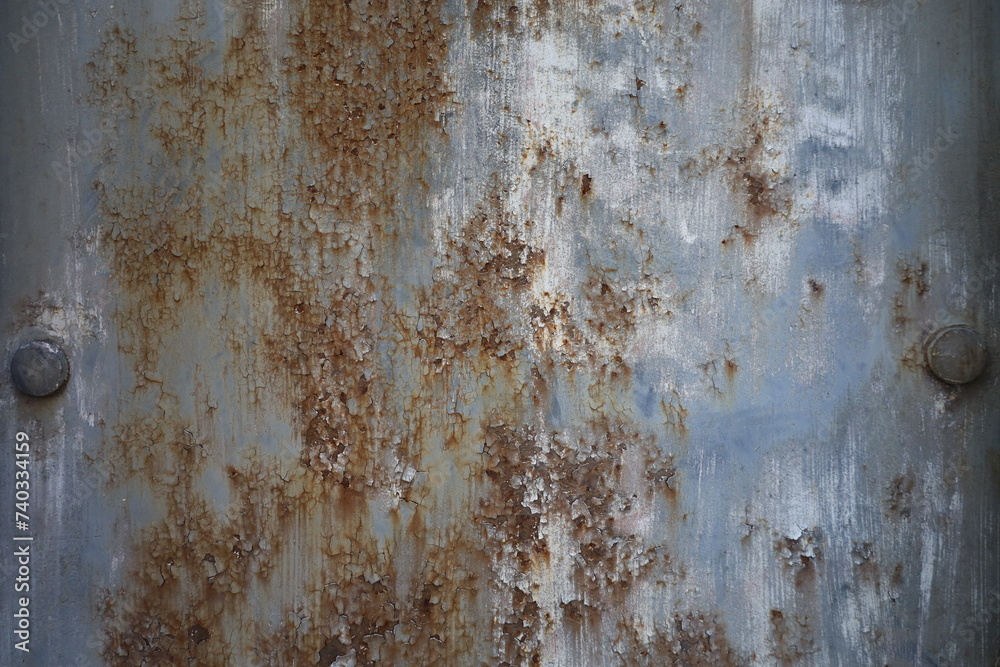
x: 524, y: 333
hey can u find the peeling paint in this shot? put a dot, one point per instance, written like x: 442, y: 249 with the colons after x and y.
x: 527, y: 333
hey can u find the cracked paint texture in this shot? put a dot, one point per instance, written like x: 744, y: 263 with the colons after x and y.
x: 541, y: 333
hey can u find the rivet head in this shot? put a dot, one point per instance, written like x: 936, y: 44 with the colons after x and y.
x: 956, y: 354
x: 39, y: 368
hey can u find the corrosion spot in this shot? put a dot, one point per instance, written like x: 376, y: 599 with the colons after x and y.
x: 332, y: 650
x: 899, y: 502
x: 198, y: 634
x: 914, y: 273
x: 757, y: 174
x: 800, y: 555
x: 691, y: 638
x: 791, y: 637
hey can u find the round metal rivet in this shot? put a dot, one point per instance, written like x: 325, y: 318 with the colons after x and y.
x: 39, y: 368
x: 956, y: 354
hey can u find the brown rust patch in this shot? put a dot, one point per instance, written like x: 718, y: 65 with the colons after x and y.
x: 674, y: 414
x: 729, y: 369
x: 691, y: 638
x: 194, y: 570
x: 295, y: 239
x: 198, y: 634
x: 899, y: 496
x: 555, y: 332
x: 792, y: 638
x: 801, y: 556
x: 511, y: 525
x: 489, y: 17
x: 617, y: 304
x: 367, y: 83
x: 754, y: 166
x: 914, y: 273
x: 914, y: 281
x: 581, y: 481
x: 662, y: 474
x: 361, y: 613
x: 579, y: 612
x: 759, y: 183
x: 403, y: 515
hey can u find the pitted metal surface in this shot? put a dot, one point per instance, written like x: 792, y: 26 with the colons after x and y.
x: 544, y: 333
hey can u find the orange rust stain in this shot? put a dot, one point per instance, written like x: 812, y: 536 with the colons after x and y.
x: 914, y: 281
x: 260, y: 228
x: 757, y: 182
x: 674, y: 414
x: 489, y: 18
x: 801, y: 556
x: 265, y: 217
x: 693, y: 638
x: 754, y: 170
x: 791, y: 637
x: 617, y: 305
x: 729, y: 368
x: 367, y: 83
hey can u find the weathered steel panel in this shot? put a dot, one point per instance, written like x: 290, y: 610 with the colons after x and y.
x: 459, y: 333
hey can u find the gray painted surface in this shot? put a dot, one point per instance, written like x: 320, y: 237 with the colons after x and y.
x: 568, y: 334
